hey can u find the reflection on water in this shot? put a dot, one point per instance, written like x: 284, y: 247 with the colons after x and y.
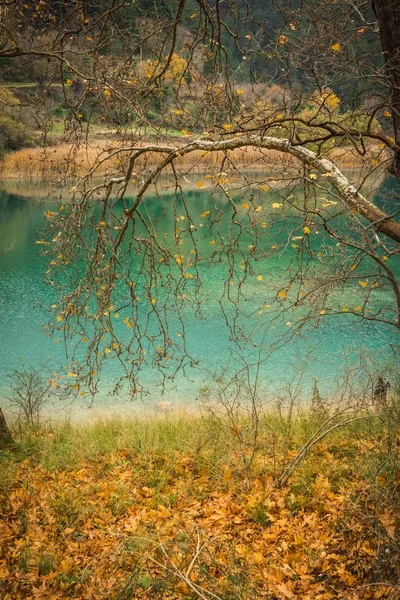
x: 24, y: 298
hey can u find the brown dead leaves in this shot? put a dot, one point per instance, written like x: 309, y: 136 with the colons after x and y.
x: 156, y: 526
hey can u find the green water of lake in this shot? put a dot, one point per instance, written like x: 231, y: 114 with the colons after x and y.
x: 24, y: 302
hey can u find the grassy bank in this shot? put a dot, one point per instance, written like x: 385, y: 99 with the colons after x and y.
x: 188, y: 506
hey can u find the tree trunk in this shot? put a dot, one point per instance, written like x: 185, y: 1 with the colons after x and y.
x: 388, y: 15
x: 5, y: 436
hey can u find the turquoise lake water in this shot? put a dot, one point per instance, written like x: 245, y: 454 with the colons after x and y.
x: 24, y: 302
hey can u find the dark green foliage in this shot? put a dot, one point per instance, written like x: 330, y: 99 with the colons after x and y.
x: 13, y: 135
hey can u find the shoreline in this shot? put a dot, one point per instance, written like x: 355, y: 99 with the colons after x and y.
x: 77, y: 414
x: 43, y: 190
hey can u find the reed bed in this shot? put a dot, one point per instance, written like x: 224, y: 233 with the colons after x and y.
x: 64, y: 160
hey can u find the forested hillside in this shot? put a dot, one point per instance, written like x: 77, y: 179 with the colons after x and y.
x: 249, y: 48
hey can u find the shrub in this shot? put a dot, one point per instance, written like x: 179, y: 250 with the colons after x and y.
x: 28, y: 394
x: 13, y: 135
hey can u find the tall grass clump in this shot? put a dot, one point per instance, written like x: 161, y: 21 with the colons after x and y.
x: 65, y: 444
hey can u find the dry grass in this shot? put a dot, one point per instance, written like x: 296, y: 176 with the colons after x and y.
x: 63, y: 160
x: 68, y: 161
